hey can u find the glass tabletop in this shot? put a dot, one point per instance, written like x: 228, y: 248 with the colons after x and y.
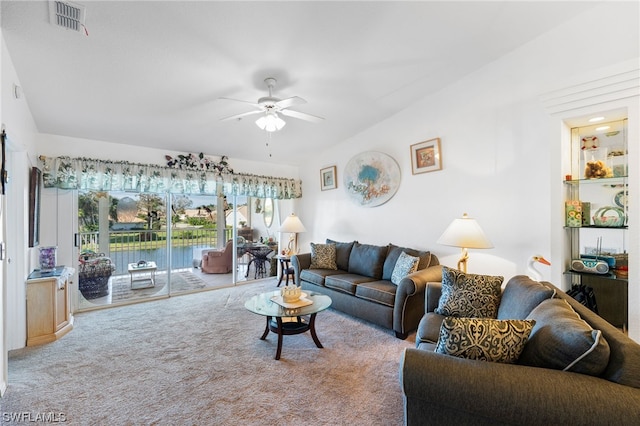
x: 262, y: 304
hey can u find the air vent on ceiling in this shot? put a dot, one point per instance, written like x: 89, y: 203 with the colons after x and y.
x: 67, y: 15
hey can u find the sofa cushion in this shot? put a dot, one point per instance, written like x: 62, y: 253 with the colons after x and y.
x: 343, y: 251
x: 563, y: 341
x: 484, y: 338
x: 317, y: 276
x: 394, y: 253
x: 381, y: 291
x: 405, y: 265
x: 520, y: 296
x: 346, y: 283
x: 323, y: 256
x: 469, y: 295
x: 367, y: 260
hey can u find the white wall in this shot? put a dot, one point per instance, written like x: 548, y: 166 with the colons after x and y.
x: 495, y: 146
x: 20, y: 127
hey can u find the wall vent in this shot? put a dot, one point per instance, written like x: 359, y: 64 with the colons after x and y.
x: 67, y: 15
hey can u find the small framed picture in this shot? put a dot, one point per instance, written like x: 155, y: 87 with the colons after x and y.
x: 426, y: 157
x: 328, y: 178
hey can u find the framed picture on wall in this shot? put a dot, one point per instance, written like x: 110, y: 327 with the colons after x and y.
x: 328, y: 178
x: 35, y: 178
x: 426, y: 157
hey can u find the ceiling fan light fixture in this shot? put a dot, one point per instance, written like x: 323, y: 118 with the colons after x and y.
x: 270, y: 122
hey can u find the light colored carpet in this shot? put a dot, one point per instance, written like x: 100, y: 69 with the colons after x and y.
x: 180, y: 281
x: 197, y: 359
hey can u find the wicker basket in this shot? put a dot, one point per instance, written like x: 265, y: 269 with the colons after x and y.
x: 93, y: 275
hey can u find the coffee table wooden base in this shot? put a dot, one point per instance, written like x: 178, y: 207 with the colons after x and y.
x: 287, y: 328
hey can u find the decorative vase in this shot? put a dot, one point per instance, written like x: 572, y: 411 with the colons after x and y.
x: 48, y: 258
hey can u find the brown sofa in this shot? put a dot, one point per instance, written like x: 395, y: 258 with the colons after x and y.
x: 361, y: 286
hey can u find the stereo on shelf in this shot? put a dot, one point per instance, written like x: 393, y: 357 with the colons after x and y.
x: 591, y: 266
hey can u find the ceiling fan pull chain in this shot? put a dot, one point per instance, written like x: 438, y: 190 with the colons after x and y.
x: 267, y: 144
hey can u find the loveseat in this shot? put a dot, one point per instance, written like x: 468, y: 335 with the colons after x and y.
x: 359, y: 282
x: 568, y: 372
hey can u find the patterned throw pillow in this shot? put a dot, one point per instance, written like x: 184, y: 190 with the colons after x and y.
x: 469, y: 295
x: 484, y: 338
x: 405, y: 265
x: 323, y: 256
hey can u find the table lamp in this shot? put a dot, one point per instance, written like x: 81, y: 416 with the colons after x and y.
x: 293, y: 226
x: 465, y: 233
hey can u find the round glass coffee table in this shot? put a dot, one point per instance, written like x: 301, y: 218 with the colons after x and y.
x: 288, y: 320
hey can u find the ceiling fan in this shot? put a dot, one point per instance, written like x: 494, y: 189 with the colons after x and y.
x: 270, y: 107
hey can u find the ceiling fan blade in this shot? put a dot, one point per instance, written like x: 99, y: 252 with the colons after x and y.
x: 239, y: 116
x: 244, y: 102
x: 301, y: 115
x: 294, y: 100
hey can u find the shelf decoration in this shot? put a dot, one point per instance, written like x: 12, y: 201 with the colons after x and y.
x: 199, y: 162
x: 596, y: 164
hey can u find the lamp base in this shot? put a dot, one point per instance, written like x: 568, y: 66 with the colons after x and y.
x: 462, y: 263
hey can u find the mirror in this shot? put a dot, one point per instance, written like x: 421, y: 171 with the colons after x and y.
x: 268, y: 212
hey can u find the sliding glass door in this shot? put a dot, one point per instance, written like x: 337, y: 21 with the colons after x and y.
x: 138, y: 246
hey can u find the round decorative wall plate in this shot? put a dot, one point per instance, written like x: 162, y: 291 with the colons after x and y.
x: 371, y: 178
x: 620, y: 199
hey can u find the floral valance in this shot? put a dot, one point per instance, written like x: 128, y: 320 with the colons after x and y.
x: 101, y: 175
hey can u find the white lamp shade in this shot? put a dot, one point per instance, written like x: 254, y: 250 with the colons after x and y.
x: 466, y: 233
x: 270, y: 122
x: 292, y: 224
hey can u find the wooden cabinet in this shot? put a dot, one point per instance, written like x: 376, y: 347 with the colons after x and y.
x: 48, y: 308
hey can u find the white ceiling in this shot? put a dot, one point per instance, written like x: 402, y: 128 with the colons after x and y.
x: 151, y: 73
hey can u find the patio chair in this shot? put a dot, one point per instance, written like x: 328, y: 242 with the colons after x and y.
x: 218, y: 261
x: 259, y: 260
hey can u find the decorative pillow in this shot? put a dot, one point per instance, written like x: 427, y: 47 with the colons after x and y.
x: 469, y: 295
x: 343, y: 251
x: 394, y: 253
x: 483, y: 338
x: 405, y: 265
x: 323, y: 256
x: 520, y: 296
x: 563, y: 341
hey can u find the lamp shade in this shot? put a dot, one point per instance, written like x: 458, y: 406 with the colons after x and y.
x: 292, y: 224
x: 466, y: 233
x: 270, y: 122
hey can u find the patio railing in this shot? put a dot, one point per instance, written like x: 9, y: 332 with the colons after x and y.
x: 132, y: 246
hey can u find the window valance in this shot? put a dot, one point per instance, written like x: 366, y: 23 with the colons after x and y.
x: 101, y: 175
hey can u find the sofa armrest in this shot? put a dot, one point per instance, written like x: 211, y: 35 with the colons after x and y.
x: 300, y: 262
x: 444, y: 387
x: 432, y: 296
x: 212, y: 253
x: 409, y: 304
x: 416, y: 282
